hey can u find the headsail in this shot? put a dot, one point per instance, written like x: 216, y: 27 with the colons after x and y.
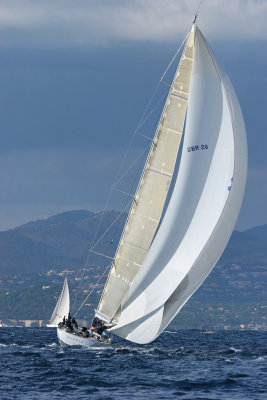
x: 148, y: 204
x: 158, y: 267
x: 203, y: 207
x: 62, y: 307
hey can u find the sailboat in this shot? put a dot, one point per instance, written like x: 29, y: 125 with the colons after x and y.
x: 186, y: 203
x: 62, y: 307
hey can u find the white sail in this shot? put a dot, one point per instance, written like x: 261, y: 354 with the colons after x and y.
x: 203, y: 207
x: 62, y: 307
x: 146, y: 211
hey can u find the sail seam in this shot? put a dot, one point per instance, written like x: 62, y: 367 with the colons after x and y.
x: 173, y: 131
x: 135, y: 245
x: 229, y: 195
x: 158, y: 172
x: 148, y: 218
x: 228, y: 198
x: 127, y: 260
x: 180, y: 97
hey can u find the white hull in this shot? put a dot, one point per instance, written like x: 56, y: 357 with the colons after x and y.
x: 72, y: 339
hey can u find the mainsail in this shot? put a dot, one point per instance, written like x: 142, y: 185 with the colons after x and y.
x: 149, y: 200
x: 161, y: 260
x: 62, y: 307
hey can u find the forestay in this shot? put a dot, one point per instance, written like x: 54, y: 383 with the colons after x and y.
x: 149, y: 200
x: 203, y: 207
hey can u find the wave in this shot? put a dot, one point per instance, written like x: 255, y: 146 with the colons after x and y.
x: 8, y: 345
x: 235, y: 350
x: 54, y: 344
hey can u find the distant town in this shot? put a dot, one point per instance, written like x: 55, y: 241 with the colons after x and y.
x: 45, y: 288
x: 36, y: 257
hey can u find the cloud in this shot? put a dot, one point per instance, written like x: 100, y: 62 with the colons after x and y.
x: 94, y: 22
x: 52, y: 175
x: 37, y: 183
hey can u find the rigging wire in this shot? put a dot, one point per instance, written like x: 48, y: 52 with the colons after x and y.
x: 197, y: 12
x: 131, y: 165
x: 174, y: 57
x: 144, y: 116
x: 110, y: 226
x: 151, y: 111
x: 95, y: 285
x: 118, y: 178
x: 94, y: 242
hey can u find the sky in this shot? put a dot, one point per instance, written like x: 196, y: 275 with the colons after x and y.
x: 75, y: 77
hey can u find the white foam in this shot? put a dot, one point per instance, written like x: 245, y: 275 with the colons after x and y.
x: 235, y: 350
x: 52, y: 345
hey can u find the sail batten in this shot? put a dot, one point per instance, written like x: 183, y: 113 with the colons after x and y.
x: 160, y: 172
x: 152, y: 190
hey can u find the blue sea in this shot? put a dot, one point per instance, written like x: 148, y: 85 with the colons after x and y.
x: 185, y: 364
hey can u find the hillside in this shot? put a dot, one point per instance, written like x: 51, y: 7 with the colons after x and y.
x: 64, y: 240
x: 245, y: 250
x: 57, y: 242
x: 259, y: 232
x: 28, y: 287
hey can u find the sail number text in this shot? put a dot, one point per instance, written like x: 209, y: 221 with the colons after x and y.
x: 198, y: 147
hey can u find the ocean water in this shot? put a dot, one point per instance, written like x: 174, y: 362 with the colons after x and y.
x: 178, y: 365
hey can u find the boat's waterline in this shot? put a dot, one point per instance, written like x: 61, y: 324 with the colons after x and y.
x: 71, y: 339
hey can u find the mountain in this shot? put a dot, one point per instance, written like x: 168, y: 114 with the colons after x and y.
x: 244, y: 249
x: 235, y: 288
x: 259, y: 232
x: 22, y: 254
x: 60, y: 241
x: 64, y: 240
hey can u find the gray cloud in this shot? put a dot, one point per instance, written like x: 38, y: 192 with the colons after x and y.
x: 53, y: 92
x: 44, y: 175
x: 94, y: 22
x: 37, y: 183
